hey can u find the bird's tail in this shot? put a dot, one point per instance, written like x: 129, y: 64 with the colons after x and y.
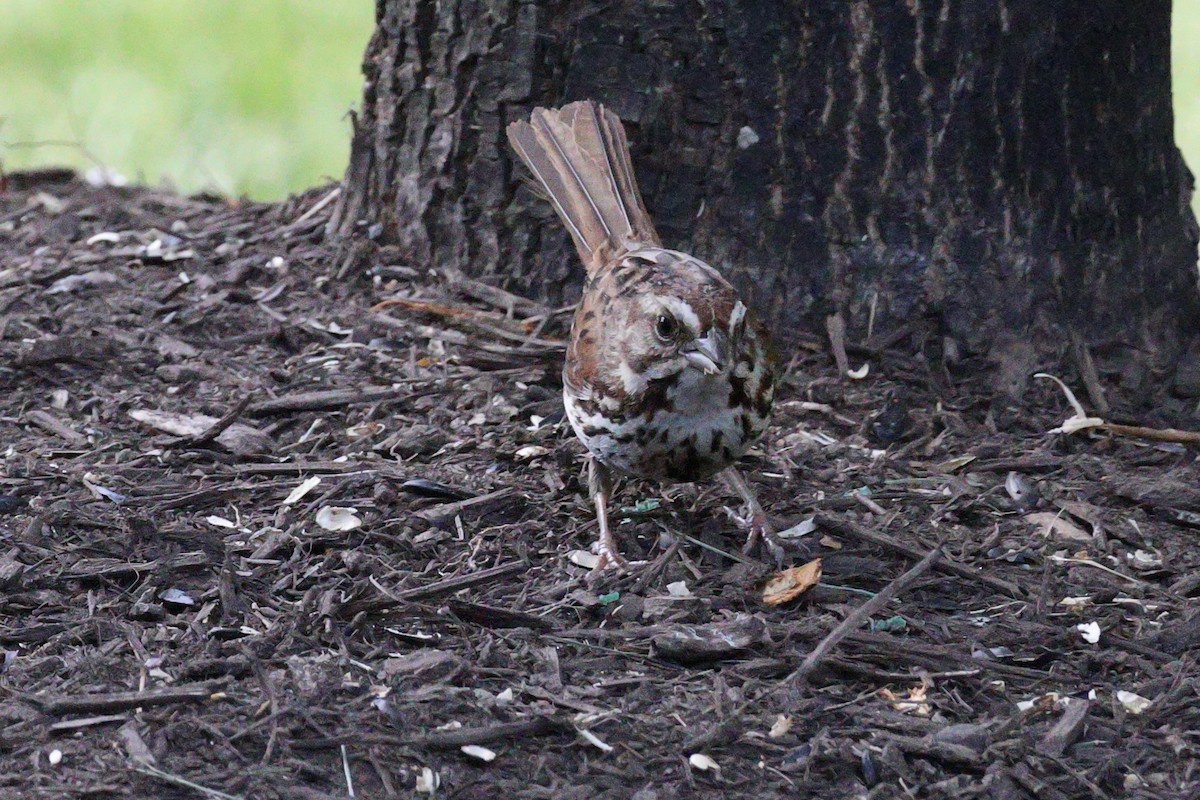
x: 579, y: 156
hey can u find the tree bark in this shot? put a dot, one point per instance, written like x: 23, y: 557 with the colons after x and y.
x: 1003, y: 172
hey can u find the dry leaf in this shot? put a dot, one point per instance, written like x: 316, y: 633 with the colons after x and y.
x: 238, y: 438
x: 915, y: 703
x: 802, y: 528
x: 296, y: 494
x: 364, y: 430
x: 954, y: 464
x: 791, y: 583
x: 1050, y: 523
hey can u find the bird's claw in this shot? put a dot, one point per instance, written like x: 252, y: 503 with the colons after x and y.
x: 609, y: 559
x: 760, y: 532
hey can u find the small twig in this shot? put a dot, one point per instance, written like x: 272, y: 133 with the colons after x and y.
x: 76, y: 723
x: 870, y: 504
x: 48, y: 422
x: 155, y: 772
x: 1087, y: 371
x: 945, y: 752
x: 1154, y: 434
x: 123, y: 701
x: 110, y: 568
x: 328, y: 399
x: 458, y: 737
x: 1091, y: 785
x: 480, y: 504
x: 653, y: 568
x: 1080, y: 421
x: 346, y: 772
x: 1087, y: 562
x: 500, y: 732
x: 730, y: 554
x: 316, y: 207
x: 499, y: 298
x: 1066, y: 731
x: 458, y: 582
x: 853, y: 529
x: 216, y: 429
x: 835, y: 326
x: 797, y: 678
x: 860, y: 615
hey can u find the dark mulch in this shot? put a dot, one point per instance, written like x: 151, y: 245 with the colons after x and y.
x: 169, y: 621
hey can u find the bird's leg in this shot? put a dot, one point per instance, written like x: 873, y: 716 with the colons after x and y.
x: 756, y: 521
x: 600, y: 488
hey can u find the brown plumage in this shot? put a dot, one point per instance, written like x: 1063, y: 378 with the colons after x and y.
x: 667, y: 374
x: 578, y: 154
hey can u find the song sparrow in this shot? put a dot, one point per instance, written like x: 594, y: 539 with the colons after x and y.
x: 667, y: 375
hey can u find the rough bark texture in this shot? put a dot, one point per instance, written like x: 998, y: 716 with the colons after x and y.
x: 1002, y: 170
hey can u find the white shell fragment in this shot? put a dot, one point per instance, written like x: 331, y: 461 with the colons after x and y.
x: 428, y: 781
x: 338, y: 518
x: 703, y: 763
x: 1090, y: 631
x: 530, y: 452
x: 860, y: 373
x: 747, y: 137
x: 482, y: 753
x: 679, y: 589
x: 780, y: 727
x: 1133, y: 703
x: 296, y: 494
x: 583, y: 558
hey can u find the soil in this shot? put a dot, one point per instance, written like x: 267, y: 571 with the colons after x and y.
x: 191, y: 384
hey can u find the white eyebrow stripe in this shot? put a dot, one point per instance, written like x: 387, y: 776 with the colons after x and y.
x: 684, y: 313
x: 736, y: 316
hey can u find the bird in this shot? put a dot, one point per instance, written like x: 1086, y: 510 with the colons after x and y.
x: 668, y: 375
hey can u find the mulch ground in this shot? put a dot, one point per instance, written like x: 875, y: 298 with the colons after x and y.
x: 284, y: 518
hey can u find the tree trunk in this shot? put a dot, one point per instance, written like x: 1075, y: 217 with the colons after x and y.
x: 1004, y: 172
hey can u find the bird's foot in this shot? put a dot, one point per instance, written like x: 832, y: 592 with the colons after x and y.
x: 760, y: 534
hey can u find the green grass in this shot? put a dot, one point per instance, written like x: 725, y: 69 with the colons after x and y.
x: 243, y: 96
x: 238, y: 96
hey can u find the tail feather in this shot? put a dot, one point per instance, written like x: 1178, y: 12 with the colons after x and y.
x: 579, y: 156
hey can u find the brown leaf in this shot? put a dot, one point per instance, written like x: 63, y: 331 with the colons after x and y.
x: 791, y: 583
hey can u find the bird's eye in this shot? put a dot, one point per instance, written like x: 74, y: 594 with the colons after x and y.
x: 666, y: 327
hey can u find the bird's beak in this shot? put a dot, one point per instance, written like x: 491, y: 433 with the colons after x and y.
x: 709, y: 353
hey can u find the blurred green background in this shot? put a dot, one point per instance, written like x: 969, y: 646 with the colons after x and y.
x: 242, y: 96
x: 238, y: 96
